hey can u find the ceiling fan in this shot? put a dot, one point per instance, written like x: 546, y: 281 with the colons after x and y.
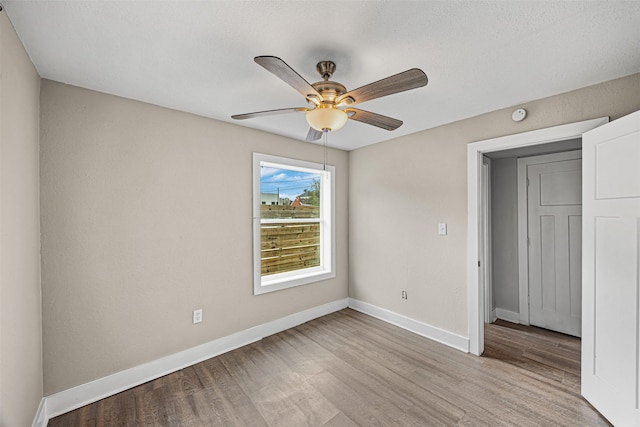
x: 330, y: 105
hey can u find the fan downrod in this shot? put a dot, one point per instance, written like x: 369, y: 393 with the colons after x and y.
x: 326, y: 69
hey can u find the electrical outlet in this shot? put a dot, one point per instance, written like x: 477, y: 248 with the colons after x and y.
x: 442, y: 229
x: 404, y: 294
x: 197, y: 316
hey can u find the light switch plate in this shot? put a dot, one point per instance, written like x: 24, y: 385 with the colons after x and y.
x: 442, y: 229
x: 197, y: 316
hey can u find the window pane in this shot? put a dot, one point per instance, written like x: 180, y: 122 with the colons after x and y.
x: 289, y: 246
x: 287, y: 193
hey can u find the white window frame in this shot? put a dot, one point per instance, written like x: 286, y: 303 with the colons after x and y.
x: 327, y: 267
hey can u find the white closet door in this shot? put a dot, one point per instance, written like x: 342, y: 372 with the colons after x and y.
x: 611, y: 270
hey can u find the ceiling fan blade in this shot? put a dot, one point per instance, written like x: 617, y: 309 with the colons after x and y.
x: 268, y: 113
x: 373, y: 119
x: 407, y: 80
x: 287, y: 74
x: 313, y: 135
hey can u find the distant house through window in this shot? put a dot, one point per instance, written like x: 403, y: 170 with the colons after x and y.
x: 293, y: 223
x: 274, y: 199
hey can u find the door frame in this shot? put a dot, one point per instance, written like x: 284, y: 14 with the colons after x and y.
x: 486, y: 272
x: 475, y: 151
x: 523, y: 217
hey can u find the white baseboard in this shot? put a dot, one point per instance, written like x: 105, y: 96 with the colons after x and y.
x: 494, y: 316
x: 436, y: 334
x: 41, y: 419
x: 76, y: 397
x: 508, y: 315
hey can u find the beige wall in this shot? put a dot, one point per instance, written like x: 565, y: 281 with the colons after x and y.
x: 146, y: 216
x: 401, y: 189
x: 20, y: 318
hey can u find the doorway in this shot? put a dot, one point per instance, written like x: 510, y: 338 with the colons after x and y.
x: 535, y: 232
x: 475, y: 153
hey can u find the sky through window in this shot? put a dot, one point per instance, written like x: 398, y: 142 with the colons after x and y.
x: 285, y: 182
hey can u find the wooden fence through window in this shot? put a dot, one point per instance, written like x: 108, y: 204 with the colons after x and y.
x: 289, y: 246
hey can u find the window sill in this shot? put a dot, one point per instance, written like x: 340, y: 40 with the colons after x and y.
x: 278, y: 282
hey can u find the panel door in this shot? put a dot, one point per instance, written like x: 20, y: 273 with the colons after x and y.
x: 611, y: 270
x: 555, y: 245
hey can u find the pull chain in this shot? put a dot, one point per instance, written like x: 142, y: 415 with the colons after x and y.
x: 325, y: 132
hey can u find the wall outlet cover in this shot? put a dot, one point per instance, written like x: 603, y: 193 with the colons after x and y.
x: 197, y: 316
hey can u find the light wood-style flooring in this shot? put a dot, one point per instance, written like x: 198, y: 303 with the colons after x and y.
x: 349, y: 369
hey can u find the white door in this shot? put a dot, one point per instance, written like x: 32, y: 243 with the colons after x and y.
x: 611, y: 270
x: 554, y: 205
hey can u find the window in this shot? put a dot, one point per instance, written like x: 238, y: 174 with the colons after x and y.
x: 293, y: 223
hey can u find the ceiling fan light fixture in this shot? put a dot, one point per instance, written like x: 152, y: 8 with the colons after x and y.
x: 326, y: 118
x: 330, y: 104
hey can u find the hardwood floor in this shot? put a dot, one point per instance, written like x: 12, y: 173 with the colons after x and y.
x: 552, y: 355
x: 349, y: 369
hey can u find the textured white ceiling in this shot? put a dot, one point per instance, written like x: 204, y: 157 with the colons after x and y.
x: 197, y: 56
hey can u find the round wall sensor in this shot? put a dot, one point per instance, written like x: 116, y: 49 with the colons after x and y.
x: 519, y: 115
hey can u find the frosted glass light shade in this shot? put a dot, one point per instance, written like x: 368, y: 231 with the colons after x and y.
x: 326, y: 118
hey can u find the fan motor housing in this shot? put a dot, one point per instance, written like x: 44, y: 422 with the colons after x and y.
x: 329, y: 90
